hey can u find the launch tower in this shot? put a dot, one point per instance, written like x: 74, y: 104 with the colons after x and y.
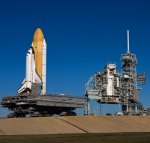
x: 111, y: 87
x: 129, y: 82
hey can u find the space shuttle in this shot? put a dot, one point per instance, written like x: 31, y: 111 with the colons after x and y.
x: 35, y: 65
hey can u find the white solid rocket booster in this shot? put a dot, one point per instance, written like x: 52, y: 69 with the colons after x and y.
x: 43, y: 91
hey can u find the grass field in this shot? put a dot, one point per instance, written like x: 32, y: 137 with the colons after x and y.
x: 79, y: 138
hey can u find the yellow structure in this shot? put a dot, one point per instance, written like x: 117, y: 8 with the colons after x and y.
x: 37, y: 44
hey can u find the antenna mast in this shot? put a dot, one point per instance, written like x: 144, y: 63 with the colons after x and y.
x: 128, y: 42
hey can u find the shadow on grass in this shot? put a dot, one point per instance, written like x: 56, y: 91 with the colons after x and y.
x: 79, y: 138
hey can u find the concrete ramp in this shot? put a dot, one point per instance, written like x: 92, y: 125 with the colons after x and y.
x: 79, y: 124
x: 110, y: 124
x: 43, y: 125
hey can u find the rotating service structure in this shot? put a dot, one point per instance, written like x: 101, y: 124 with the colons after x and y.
x: 112, y: 87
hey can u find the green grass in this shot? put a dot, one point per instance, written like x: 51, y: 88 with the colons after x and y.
x: 79, y: 138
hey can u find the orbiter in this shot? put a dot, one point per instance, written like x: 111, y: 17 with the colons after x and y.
x: 35, y: 65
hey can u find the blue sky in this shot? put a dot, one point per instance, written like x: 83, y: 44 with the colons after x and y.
x: 82, y: 36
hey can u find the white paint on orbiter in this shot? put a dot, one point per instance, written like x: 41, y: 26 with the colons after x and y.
x: 31, y: 75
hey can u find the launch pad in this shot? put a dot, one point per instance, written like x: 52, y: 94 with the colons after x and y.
x: 111, y: 87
